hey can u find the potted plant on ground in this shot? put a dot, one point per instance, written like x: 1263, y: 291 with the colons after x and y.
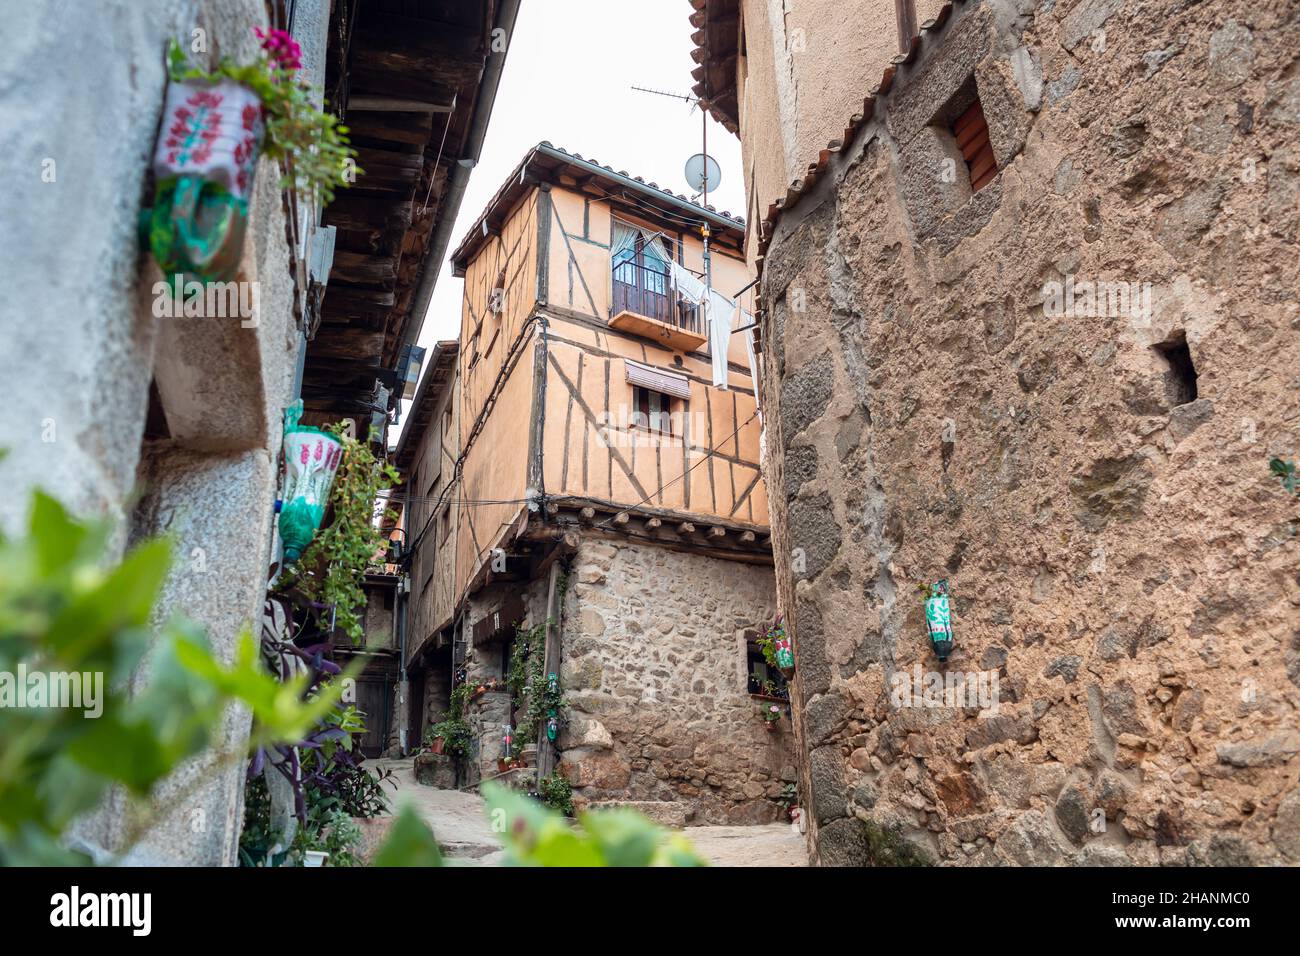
x: 771, y: 715
x: 435, y: 742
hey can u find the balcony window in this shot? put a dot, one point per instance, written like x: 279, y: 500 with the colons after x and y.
x: 644, y: 297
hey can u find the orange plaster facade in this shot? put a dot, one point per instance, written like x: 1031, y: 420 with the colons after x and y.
x: 547, y: 414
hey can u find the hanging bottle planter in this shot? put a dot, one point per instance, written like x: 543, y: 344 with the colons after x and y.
x: 215, y: 126
x: 938, y: 619
x: 782, y: 647
x: 204, y: 165
x: 311, y: 459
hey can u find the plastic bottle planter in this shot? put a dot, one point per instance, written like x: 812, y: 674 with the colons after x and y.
x: 938, y: 619
x: 311, y: 458
x: 552, y: 721
x: 782, y: 647
x: 204, y: 165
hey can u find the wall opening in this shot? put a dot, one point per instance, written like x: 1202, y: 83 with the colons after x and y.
x: 1180, y: 372
x: 971, y: 130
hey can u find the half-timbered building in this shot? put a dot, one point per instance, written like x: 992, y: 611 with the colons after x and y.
x: 607, y: 481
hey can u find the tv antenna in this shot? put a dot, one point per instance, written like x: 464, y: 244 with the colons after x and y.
x: 702, y: 171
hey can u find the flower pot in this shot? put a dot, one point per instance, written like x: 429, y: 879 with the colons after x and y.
x: 771, y: 726
x: 311, y: 458
x: 502, y: 765
x: 205, y: 161
x: 437, y: 746
x: 314, y: 857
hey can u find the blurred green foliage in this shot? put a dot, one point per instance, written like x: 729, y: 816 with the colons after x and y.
x: 65, y: 608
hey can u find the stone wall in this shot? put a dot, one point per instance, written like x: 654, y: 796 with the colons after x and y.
x: 1121, y: 560
x: 80, y: 96
x: 653, y: 665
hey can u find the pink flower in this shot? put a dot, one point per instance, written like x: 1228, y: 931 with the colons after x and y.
x: 306, y: 453
x: 283, y: 49
x: 320, y: 449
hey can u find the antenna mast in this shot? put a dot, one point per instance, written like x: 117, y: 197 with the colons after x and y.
x: 704, y: 133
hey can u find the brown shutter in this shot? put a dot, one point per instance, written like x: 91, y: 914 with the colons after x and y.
x: 972, y: 133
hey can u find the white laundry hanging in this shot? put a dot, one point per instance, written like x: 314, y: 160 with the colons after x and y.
x: 718, y: 312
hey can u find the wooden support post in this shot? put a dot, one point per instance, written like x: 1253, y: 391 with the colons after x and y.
x: 546, y: 756
x: 747, y: 537
x: 620, y: 518
x: 686, y: 528
x: 588, y: 514
x: 653, y: 523
x: 717, y: 532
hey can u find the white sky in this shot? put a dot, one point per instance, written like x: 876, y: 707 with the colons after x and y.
x: 568, y: 80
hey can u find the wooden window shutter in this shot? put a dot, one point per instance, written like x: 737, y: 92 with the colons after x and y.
x: 972, y: 133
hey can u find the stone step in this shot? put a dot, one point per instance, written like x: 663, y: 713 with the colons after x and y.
x: 668, y: 813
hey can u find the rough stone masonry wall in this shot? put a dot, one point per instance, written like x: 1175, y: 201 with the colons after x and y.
x: 1119, y: 555
x: 654, y: 667
x: 81, y: 91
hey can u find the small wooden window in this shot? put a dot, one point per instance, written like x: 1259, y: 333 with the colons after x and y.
x: 652, y: 410
x: 972, y: 133
x: 761, y: 679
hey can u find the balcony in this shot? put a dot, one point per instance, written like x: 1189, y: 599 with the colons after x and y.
x: 646, y: 303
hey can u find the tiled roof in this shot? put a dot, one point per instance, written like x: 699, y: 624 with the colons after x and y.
x: 546, y: 159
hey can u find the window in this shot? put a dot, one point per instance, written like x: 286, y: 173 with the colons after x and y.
x: 761, y: 679
x: 642, y: 283
x: 652, y: 410
x: 657, y: 397
x: 972, y: 133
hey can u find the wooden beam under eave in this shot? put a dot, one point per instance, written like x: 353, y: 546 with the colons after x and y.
x: 376, y: 103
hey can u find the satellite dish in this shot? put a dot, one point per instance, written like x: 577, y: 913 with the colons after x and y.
x: 703, y: 174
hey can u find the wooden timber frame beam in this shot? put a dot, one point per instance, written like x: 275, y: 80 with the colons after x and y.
x: 730, y: 540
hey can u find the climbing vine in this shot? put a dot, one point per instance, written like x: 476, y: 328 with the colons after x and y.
x: 333, y: 568
x: 527, y: 680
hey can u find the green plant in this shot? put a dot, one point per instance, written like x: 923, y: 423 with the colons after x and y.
x: 66, y: 610
x: 886, y: 846
x: 535, y: 696
x: 331, y: 831
x: 1285, y: 472
x: 257, y: 840
x: 453, y: 728
x: 788, y: 797
x: 333, y: 568
x: 455, y: 734
x: 556, y: 792
x: 536, y: 835
x: 771, y: 713
x: 309, y: 141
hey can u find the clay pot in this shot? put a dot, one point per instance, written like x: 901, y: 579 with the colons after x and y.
x: 437, y: 745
